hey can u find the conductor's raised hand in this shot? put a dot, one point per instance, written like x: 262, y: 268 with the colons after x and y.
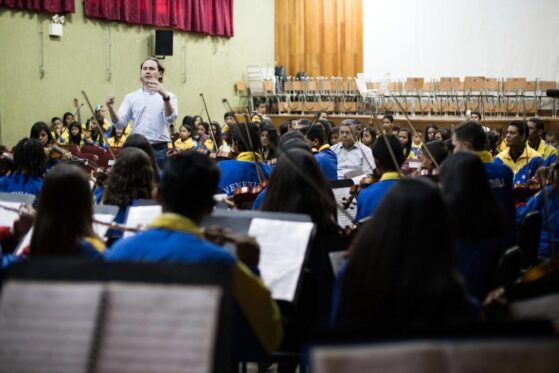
x: 110, y: 101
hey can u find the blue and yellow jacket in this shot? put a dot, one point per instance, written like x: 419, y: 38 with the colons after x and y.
x: 538, y: 203
x: 328, y: 162
x: 369, y: 198
x: 175, y: 238
x: 525, y: 166
x: 241, y: 172
x: 548, y: 152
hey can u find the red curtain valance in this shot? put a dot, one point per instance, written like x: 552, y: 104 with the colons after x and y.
x: 51, y: 6
x: 213, y: 17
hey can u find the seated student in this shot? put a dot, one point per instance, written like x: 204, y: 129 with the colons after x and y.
x: 59, y: 132
x: 416, y: 145
x: 259, y: 114
x: 369, y: 136
x: 94, y: 135
x: 100, y: 113
x: 268, y: 141
x: 75, y: 136
x: 430, y: 131
x: 247, y: 170
x: 352, y: 155
x: 204, y: 138
x: 522, y: 160
x: 30, y: 165
x: 63, y: 223
x: 439, y: 152
x: 116, y: 137
x: 397, y: 275
x: 217, y: 134
x: 387, y: 124
x: 478, y: 225
x: 229, y: 119
x: 131, y: 178
x: 471, y: 136
x: 186, y: 195
x: 185, y: 140
x: 404, y: 135
x: 334, y: 137
x: 41, y: 132
x: 369, y: 198
x: 547, y: 203
x: 326, y: 158
x: 550, y: 139
x: 535, y: 141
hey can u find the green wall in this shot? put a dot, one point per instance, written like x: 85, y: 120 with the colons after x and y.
x: 103, y: 59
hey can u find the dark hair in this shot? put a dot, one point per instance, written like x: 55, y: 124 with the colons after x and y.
x: 187, y: 120
x: 160, y: 68
x: 293, y: 140
x: 328, y: 125
x: 228, y: 114
x: 36, y: 131
x: 136, y: 140
x: 521, y: 126
x: 434, y: 126
x: 66, y: 114
x: 188, y: 128
x: 53, y: 119
x: 304, y: 123
x: 538, y: 122
x: 476, y: 212
x: 396, y: 272
x: 315, y: 132
x: 59, y: 227
x: 76, y: 140
x: 406, y: 149
x: 446, y: 133
x: 272, y: 136
x: 131, y: 178
x: 473, y: 133
x: 217, y: 134
x: 382, y: 153
x: 283, y: 128
x: 438, y: 151
x: 289, y: 189
x: 240, y: 134
x: 476, y: 113
x: 188, y: 184
x: 196, y: 117
x: 335, y: 131
x: 30, y: 158
x: 96, y: 135
x: 389, y: 117
x: 493, y: 139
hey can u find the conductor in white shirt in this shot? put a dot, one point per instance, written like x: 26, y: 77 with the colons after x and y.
x: 352, y: 155
x: 151, y: 109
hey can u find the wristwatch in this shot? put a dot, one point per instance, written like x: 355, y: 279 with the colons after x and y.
x: 167, y: 98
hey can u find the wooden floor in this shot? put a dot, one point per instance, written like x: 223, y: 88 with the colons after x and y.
x: 551, y: 123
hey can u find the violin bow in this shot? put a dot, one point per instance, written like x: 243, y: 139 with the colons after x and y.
x: 98, y: 125
x: 209, y: 122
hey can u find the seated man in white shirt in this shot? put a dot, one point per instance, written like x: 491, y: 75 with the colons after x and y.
x: 352, y: 155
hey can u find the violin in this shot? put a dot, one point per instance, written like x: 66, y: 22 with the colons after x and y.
x: 243, y: 197
x: 522, y: 192
x: 57, y: 153
x: 222, y: 155
x: 355, y: 189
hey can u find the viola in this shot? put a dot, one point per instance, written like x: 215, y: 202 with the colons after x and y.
x: 224, y: 155
x: 354, y: 190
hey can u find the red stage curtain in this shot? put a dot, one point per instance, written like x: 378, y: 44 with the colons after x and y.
x: 51, y: 6
x: 213, y: 17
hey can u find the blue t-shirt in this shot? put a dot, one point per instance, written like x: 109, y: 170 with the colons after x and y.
x: 328, y: 163
x: 18, y: 182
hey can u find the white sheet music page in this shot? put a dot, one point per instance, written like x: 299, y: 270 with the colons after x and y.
x: 7, y: 218
x: 341, y: 194
x: 140, y: 216
x: 283, y: 245
x: 47, y: 327
x: 99, y: 229
x: 159, y: 328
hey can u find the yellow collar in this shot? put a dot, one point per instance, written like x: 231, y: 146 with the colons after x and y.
x: 176, y: 222
x: 485, y: 156
x: 391, y: 175
x: 249, y: 157
x: 324, y: 147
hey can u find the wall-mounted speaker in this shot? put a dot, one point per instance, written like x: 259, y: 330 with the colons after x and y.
x: 163, y: 42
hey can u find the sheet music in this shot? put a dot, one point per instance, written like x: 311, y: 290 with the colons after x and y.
x: 159, y: 328
x: 141, y: 216
x: 283, y: 245
x: 99, y: 229
x: 7, y: 218
x: 47, y: 327
x: 343, y: 219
